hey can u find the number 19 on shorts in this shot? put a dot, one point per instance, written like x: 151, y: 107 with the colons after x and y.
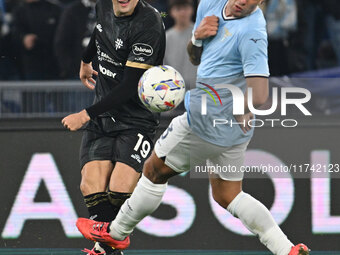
x: 143, y: 146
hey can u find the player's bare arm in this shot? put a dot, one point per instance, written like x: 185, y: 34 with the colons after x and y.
x: 207, y: 28
x: 86, y: 70
x: 86, y: 75
x: 195, y: 53
x: 260, y: 89
x: 75, y: 121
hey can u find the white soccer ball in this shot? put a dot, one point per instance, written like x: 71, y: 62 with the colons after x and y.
x: 161, y: 88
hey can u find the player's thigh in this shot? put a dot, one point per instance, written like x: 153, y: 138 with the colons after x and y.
x: 124, y: 178
x: 95, y: 160
x: 130, y: 151
x: 228, y: 164
x: 174, y: 145
x: 133, y: 149
x: 157, y: 171
x: 95, y: 145
x: 181, y: 149
x: 227, y: 175
x: 95, y: 176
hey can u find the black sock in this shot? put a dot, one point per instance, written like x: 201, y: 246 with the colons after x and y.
x: 104, y: 206
x: 116, y: 200
x: 99, y: 207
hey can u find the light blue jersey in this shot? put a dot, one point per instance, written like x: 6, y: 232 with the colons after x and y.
x: 238, y: 50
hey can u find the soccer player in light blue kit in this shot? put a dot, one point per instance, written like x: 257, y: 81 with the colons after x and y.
x: 230, y: 44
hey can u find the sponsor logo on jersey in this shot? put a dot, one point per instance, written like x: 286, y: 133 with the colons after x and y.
x: 102, y: 56
x: 142, y: 49
x: 107, y: 72
x: 255, y: 40
x: 140, y: 59
x: 119, y: 43
x: 99, y: 27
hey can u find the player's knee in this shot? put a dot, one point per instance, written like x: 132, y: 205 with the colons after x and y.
x: 220, y: 200
x: 88, y: 185
x: 84, y: 188
x: 155, y: 170
x: 223, y: 199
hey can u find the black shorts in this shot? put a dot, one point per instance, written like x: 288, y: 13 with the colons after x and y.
x: 102, y: 142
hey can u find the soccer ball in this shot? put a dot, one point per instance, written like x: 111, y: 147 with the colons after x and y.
x: 161, y: 88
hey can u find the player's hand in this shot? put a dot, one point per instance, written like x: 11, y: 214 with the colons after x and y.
x: 244, y: 119
x: 29, y: 41
x: 75, y: 121
x: 86, y: 75
x: 207, y: 28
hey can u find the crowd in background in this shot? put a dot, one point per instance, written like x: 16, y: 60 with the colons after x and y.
x: 44, y: 39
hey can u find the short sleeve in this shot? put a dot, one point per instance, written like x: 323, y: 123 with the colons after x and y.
x: 203, y: 5
x: 147, y: 44
x: 253, y: 48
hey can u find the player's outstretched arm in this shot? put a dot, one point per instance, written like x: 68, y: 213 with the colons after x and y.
x: 122, y: 93
x: 126, y: 90
x: 207, y: 28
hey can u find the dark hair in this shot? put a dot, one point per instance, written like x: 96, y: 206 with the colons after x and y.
x: 172, y: 3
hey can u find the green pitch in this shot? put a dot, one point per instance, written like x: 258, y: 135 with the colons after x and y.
x: 141, y: 252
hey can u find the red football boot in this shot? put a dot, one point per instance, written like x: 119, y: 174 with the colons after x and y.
x: 98, y: 231
x: 299, y: 249
x: 102, y: 249
x: 93, y: 252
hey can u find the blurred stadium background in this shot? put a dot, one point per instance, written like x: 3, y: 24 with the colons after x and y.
x: 39, y: 169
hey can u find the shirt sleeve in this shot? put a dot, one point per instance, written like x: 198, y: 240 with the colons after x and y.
x: 91, y: 50
x: 253, y: 48
x: 126, y: 90
x: 148, y: 44
x: 203, y: 5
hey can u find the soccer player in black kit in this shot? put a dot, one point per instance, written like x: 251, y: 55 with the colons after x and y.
x: 129, y: 38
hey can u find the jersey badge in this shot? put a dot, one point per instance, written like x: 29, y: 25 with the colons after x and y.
x: 226, y: 34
